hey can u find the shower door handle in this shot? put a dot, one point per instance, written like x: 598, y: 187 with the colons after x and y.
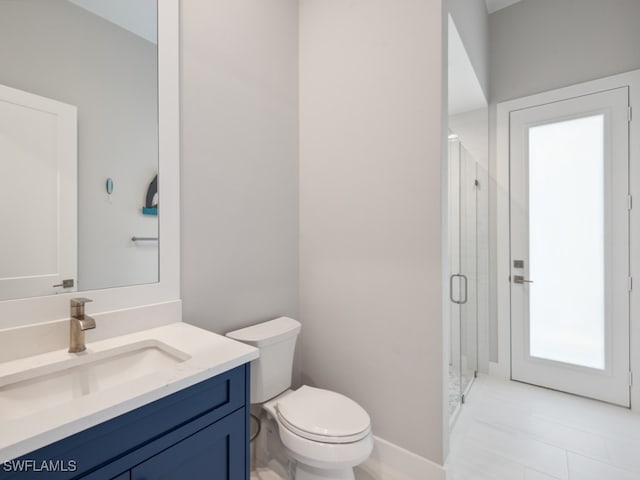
x: 466, y: 281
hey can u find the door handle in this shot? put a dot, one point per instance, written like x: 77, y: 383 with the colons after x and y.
x: 69, y: 283
x: 520, y: 280
x: 465, y: 298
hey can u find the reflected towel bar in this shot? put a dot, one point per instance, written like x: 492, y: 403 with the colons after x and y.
x: 144, y: 239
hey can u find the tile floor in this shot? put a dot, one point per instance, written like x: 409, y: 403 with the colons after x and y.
x: 512, y: 431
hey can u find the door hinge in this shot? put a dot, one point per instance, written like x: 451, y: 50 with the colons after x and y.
x: 630, y: 202
x: 630, y: 114
x: 631, y: 379
x: 631, y: 284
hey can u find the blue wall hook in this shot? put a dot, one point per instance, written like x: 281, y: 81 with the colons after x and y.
x: 151, y: 202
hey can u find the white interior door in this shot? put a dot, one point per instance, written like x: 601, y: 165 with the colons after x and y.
x: 38, y: 198
x: 570, y: 279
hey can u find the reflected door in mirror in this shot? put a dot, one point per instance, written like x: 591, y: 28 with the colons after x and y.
x: 38, y: 198
x: 101, y: 56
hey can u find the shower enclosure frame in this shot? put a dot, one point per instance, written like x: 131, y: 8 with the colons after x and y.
x: 463, y: 280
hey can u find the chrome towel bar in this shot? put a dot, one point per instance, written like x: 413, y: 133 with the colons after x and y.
x: 144, y: 239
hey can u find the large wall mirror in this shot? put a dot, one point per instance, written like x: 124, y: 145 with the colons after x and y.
x: 79, y: 146
x: 89, y: 69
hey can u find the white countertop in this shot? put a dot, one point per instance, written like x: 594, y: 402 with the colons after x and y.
x: 210, y: 355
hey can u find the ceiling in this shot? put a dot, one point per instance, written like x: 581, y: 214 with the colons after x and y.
x: 495, y: 5
x: 139, y: 17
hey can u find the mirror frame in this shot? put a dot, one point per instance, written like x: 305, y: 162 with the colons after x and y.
x: 29, y: 311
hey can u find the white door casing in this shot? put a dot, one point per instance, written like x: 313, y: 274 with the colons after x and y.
x: 608, y: 381
x: 38, y: 200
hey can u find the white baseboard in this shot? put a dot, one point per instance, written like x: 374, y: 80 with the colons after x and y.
x: 500, y: 370
x: 391, y: 462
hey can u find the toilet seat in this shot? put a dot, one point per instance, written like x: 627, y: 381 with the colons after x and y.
x: 330, y: 456
x: 323, y: 416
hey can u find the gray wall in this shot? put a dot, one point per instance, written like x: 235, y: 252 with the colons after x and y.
x: 57, y: 50
x: 539, y: 45
x: 370, y: 181
x: 239, y: 161
x: 372, y: 85
x: 472, y: 21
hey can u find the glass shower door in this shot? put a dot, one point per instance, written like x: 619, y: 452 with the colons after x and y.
x: 455, y: 293
x: 468, y: 266
x: 463, y: 254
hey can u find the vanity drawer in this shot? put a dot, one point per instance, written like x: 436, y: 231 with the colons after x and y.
x: 143, y: 428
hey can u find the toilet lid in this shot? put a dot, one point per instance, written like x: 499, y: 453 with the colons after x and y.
x: 324, y: 416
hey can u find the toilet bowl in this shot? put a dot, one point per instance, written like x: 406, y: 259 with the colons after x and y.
x: 324, y: 432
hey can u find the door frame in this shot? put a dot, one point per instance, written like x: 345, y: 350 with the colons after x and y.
x: 500, y: 364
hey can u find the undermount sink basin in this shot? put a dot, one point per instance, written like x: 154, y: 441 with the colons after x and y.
x: 29, y: 391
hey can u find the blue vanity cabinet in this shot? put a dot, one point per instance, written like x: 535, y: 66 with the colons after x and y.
x: 199, y: 433
x: 215, y: 452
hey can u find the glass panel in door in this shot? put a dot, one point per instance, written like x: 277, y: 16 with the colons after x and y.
x: 567, y: 241
x: 463, y: 267
x: 455, y: 373
x: 468, y: 267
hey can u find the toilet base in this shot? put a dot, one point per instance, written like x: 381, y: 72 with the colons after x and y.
x: 265, y: 473
x: 307, y: 472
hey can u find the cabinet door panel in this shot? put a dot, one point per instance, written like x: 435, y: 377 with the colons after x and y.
x: 214, y: 453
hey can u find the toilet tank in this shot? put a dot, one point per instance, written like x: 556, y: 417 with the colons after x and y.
x: 271, y: 372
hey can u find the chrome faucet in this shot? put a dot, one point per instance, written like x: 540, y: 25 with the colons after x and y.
x: 79, y: 322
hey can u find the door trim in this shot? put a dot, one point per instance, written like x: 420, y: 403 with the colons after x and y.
x: 609, y: 381
x: 500, y: 364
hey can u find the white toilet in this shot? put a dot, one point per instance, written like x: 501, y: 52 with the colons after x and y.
x: 326, y: 433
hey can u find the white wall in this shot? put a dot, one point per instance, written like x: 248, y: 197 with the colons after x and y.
x: 539, y: 45
x: 370, y: 180
x: 140, y: 17
x: 239, y: 161
x: 371, y: 184
x: 63, y: 52
x: 472, y: 22
x: 472, y: 129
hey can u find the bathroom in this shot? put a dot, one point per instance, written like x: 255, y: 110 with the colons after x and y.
x: 302, y: 153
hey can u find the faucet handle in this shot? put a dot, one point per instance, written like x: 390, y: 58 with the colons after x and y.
x: 78, y: 302
x: 77, y: 307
